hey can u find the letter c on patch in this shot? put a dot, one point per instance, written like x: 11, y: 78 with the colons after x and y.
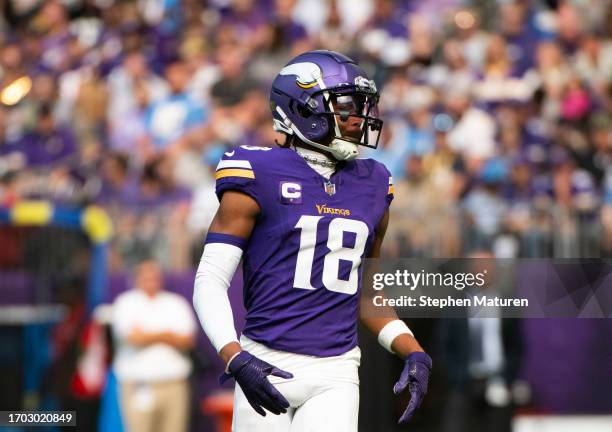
x: 291, y: 193
x: 291, y: 190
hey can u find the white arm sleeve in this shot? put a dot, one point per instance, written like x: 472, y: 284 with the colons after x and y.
x: 217, y: 267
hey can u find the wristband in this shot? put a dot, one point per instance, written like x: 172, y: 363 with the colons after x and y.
x: 390, y: 331
x: 229, y: 361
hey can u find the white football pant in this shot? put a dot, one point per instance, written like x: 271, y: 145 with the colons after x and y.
x: 323, y: 393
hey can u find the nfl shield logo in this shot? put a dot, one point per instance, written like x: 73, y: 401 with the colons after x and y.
x: 330, y: 188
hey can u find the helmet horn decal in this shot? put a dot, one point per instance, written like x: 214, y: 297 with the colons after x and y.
x: 307, y: 74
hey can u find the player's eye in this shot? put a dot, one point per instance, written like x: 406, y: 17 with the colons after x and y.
x: 347, y: 105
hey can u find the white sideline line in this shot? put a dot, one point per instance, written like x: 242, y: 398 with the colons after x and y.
x: 558, y: 423
x: 31, y: 314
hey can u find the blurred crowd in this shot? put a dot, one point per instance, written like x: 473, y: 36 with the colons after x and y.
x: 497, y: 130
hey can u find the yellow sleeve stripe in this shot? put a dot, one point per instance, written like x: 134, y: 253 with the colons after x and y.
x: 246, y: 173
x: 391, y: 190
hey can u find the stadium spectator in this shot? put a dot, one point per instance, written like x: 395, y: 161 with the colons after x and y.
x: 519, y: 36
x: 235, y: 81
x: 117, y: 186
x: 154, y: 330
x: 49, y: 144
x: 132, y: 86
x: 167, y: 119
x: 53, y: 22
x: 423, y: 204
x: 473, y: 133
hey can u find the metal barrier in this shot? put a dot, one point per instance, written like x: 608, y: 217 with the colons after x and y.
x: 555, y: 232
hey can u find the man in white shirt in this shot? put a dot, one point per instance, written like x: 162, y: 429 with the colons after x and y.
x: 473, y: 135
x: 154, y: 329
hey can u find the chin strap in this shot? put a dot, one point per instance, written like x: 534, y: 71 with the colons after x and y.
x: 344, y: 150
x: 340, y: 149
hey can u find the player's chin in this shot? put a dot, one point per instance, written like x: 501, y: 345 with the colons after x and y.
x: 354, y: 137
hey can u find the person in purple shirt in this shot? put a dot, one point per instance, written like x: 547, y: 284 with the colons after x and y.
x: 303, y: 217
x: 55, y: 52
x: 246, y: 17
x: 49, y: 144
x: 117, y: 186
x: 387, y: 18
x: 158, y: 187
x: 284, y: 28
x: 521, y: 38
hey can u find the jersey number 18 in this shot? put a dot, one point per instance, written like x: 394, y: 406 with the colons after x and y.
x: 331, y: 264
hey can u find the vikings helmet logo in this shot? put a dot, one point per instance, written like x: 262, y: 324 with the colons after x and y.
x: 307, y: 74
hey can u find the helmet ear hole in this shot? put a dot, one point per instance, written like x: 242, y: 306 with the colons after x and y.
x: 320, y: 129
x: 304, y: 110
x: 324, y: 123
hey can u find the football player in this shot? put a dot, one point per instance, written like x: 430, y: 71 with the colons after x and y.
x: 302, y: 217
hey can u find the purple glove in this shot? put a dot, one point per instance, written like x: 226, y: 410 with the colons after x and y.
x: 250, y: 373
x: 415, y: 376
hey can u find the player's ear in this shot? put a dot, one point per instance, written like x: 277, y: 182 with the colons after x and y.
x: 282, y: 139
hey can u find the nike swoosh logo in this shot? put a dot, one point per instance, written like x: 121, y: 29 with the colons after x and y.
x: 230, y: 154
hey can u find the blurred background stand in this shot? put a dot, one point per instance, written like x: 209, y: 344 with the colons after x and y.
x: 220, y: 405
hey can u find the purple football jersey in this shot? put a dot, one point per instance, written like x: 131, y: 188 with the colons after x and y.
x: 302, y: 264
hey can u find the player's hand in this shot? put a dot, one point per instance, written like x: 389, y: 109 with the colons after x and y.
x: 251, y: 374
x: 415, y: 376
